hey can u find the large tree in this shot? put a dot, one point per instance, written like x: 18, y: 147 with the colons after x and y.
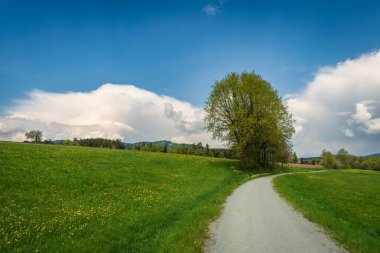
x: 244, y: 110
x: 34, y: 135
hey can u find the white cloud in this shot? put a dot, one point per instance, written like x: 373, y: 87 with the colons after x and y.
x: 343, y: 113
x: 347, y: 132
x: 180, y: 139
x: 289, y: 96
x: 210, y: 9
x: 361, y: 115
x: 111, y: 111
x: 18, y: 137
x: 340, y: 97
x: 364, y: 119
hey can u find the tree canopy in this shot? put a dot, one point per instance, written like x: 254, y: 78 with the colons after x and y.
x: 343, y: 158
x: 244, y: 110
x: 34, y: 135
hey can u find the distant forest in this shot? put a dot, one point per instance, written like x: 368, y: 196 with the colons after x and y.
x: 157, y: 146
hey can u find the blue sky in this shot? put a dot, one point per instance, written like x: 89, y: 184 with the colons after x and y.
x: 179, y: 49
x: 175, y: 47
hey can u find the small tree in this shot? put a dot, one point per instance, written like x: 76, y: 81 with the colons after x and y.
x: 34, y: 135
x: 207, y: 150
x: 328, y: 160
x: 294, y: 158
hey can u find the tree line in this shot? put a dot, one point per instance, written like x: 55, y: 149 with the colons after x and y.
x: 36, y: 137
x: 96, y: 142
x: 343, y: 160
x: 187, y: 149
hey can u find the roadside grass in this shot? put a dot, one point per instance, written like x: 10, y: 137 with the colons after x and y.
x: 75, y: 199
x: 345, y: 202
x: 294, y: 169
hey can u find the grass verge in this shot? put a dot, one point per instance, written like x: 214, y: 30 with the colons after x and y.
x: 345, y: 202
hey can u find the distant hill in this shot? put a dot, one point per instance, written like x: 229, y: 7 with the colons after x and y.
x: 311, y: 158
x: 376, y: 154
x: 161, y: 143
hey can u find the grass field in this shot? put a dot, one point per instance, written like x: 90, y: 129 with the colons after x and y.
x: 74, y: 199
x: 345, y: 202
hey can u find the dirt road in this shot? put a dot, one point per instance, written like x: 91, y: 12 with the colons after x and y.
x: 256, y: 219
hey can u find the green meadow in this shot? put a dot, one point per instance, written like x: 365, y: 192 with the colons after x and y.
x: 75, y: 199
x: 345, y: 202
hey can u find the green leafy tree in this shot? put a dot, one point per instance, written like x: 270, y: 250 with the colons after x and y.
x: 328, y: 160
x: 207, y: 150
x: 294, y: 158
x: 284, y: 154
x: 343, y: 158
x: 34, y: 135
x: 68, y: 142
x: 244, y: 110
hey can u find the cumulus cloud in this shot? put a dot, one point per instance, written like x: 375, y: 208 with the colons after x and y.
x: 340, y: 108
x: 186, y: 123
x: 361, y: 115
x: 111, y: 111
x: 364, y: 119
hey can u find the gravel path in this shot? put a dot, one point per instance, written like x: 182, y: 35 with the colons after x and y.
x: 256, y: 219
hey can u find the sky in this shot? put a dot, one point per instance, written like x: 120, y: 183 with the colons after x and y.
x: 142, y: 70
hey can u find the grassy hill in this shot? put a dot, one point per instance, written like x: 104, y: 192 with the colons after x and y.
x: 75, y: 199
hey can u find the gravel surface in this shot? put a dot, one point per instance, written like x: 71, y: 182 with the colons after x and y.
x: 255, y: 219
